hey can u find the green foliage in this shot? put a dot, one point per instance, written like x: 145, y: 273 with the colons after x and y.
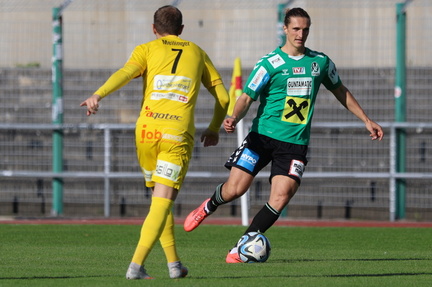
x: 98, y: 255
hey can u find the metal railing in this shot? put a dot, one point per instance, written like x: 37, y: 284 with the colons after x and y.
x: 392, y: 175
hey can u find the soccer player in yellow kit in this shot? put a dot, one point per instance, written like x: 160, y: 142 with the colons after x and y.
x: 172, y: 70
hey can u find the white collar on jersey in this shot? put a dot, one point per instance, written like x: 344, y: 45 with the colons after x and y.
x: 296, y: 57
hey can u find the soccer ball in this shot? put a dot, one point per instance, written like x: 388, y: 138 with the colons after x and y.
x: 253, y: 247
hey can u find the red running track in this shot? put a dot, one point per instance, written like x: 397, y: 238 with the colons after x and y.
x: 220, y: 221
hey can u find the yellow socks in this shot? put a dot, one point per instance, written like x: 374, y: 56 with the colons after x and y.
x: 167, y: 240
x: 154, y: 225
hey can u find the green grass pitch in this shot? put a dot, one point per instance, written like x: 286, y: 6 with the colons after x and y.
x: 98, y: 255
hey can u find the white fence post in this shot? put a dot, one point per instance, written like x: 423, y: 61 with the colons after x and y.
x: 107, y: 168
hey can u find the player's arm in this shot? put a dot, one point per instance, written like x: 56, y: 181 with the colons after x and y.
x: 117, y: 80
x: 220, y: 107
x: 210, y: 136
x: 344, y: 96
x: 241, y: 108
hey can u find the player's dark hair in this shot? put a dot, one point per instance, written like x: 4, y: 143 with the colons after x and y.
x: 168, y: 20
x: 295, y: 12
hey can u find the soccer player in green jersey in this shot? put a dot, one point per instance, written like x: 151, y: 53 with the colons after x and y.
x: 172, y: 70
x: 286, y: 83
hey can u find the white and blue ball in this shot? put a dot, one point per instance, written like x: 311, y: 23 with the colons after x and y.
x: 253, y: 247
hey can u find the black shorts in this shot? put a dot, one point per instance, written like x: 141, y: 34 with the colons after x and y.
x: 257, y: 151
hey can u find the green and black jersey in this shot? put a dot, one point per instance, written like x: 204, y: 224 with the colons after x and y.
x: 287, y: 87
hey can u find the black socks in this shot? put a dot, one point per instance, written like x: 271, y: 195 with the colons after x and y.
x: 264, y: 219
x: 216, y: 199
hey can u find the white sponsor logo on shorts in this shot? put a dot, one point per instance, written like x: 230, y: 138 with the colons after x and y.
x: 167, y: 170
x: 147, y: 174
x: 172, y: 137
x: 297, y: 168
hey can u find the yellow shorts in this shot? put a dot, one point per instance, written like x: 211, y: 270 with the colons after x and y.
x: 163, y: 154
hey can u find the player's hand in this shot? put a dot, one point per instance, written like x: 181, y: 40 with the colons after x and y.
x: 230, y: 124
x: 376, y: 131
x: 209, y: 138
x: 92, y: 104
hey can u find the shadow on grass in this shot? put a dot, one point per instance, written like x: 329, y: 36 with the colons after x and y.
x: 269, y: 276
x: 235, y: 277
x: 319, y: 276
x: 336, y: 260
x: 336, y: 275
x: 54, y: 277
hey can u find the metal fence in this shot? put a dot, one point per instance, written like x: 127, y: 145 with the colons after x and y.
x: 348, y: 176
x: 346, y: 171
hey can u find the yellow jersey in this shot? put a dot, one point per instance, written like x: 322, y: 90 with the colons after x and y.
x: 172, y: 70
